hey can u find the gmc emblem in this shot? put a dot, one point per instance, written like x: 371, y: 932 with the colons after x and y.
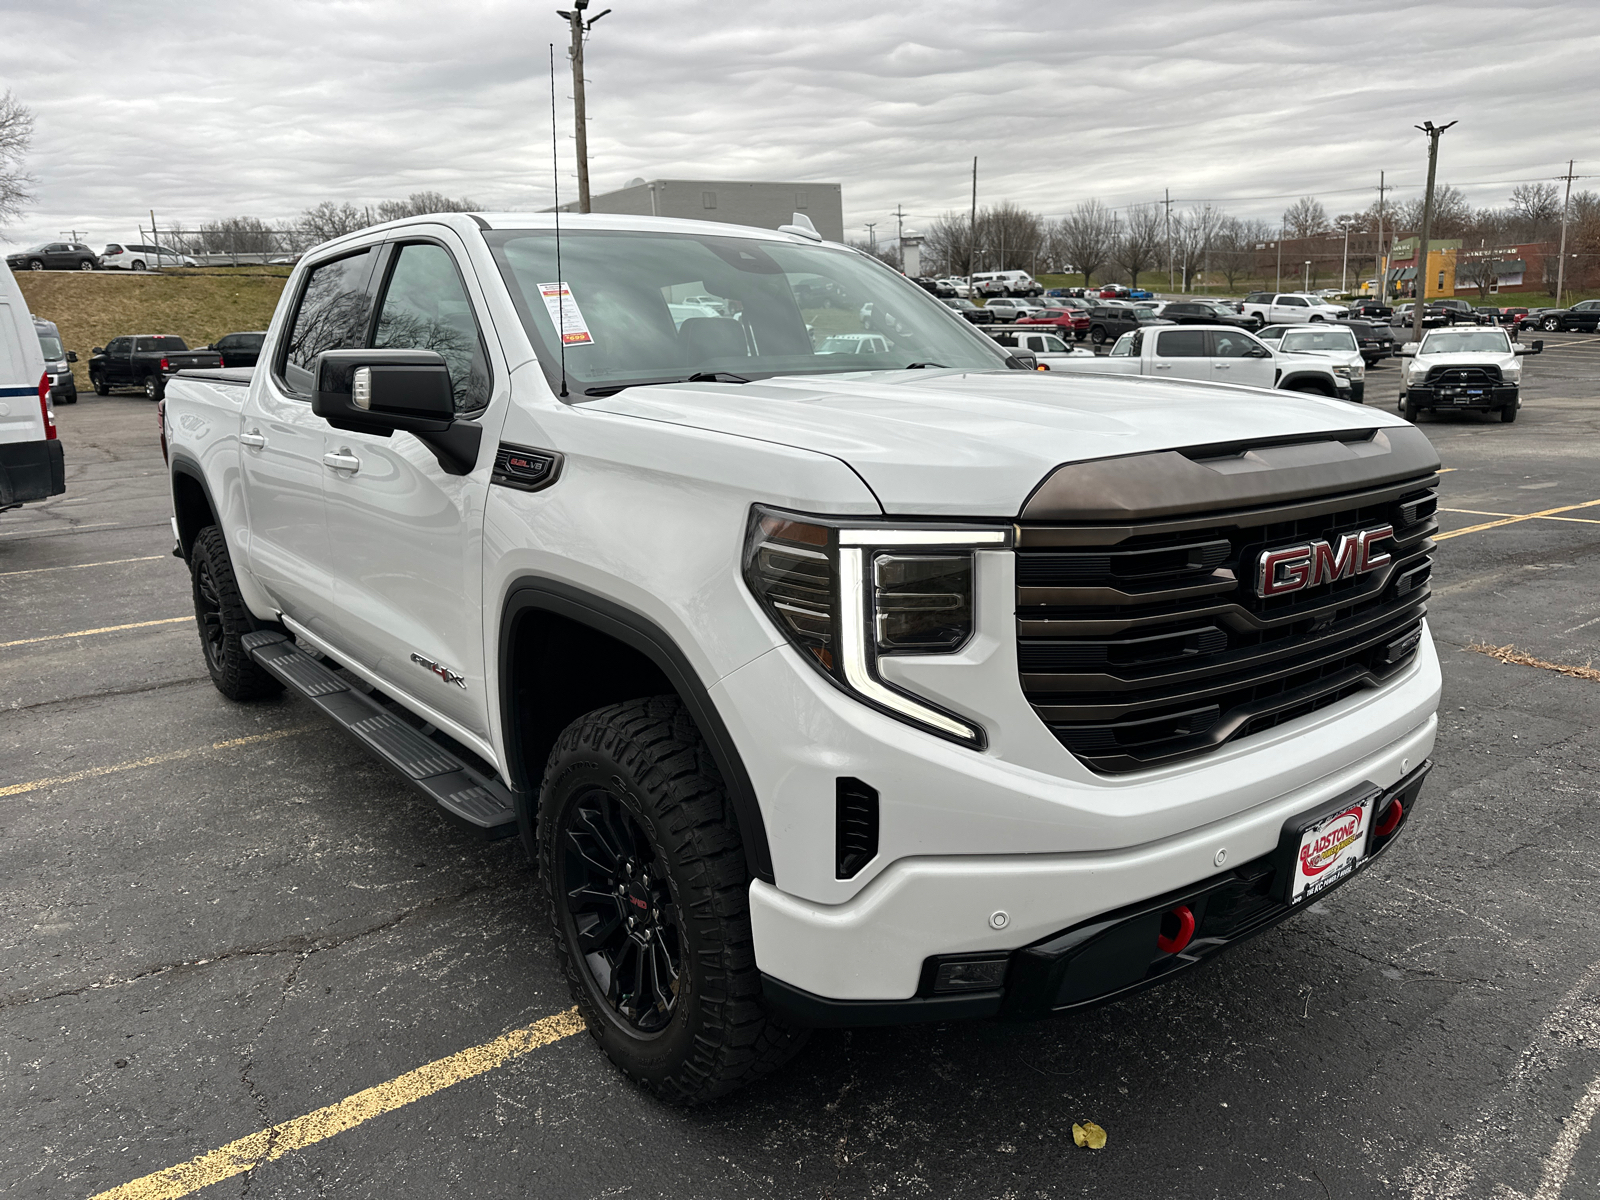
x: 1295, y: 567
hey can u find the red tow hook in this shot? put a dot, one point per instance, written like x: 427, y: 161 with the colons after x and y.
x: 1390, y: 820
x: 1180, y: 922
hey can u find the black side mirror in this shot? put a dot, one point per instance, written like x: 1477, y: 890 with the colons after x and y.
x: 381, y: 391
x: 98, y: 350
x: 1537, y: 347
x: 72, y: 356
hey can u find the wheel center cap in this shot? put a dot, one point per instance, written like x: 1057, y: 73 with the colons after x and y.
x: 635, y: 902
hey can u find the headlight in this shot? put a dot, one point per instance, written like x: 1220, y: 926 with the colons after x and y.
x: 846, y: 593
x: 1342, y: 372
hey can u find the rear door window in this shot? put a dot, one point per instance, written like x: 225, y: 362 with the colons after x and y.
x: 332, y: 314
x: 1181, y: 343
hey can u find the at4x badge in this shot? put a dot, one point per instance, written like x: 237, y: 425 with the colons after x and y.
x: 443, y: 672
x: 1291, y: 568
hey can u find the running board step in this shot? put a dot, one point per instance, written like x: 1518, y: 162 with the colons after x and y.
x: 463, y: 793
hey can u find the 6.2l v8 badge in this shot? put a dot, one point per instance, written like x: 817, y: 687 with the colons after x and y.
x: 1292, y: 568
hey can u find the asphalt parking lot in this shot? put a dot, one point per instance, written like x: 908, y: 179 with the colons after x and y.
x: 238, y: 957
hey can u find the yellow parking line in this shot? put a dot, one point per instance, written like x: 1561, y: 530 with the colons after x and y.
x: 110, y: 562
x: 1549, y: 512
x: 56, y: 637
x: 1473, y: 512
x: 265, y: 1145
x: 17, y: 789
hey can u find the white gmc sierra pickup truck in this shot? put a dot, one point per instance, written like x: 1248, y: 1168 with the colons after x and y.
x: 825, y: 689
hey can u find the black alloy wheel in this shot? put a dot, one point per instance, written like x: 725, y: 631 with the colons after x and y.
x: 98, y: 382
x: 222, y: 619
x: 647, y: 894
x: 1097, y: 334
x: 208, y: 616
x: 619, y: 901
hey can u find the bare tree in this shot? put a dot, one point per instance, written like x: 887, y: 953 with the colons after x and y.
x: 236, y: 235
x: 885, y: 252
x: 16, y: 135
x: 949, y: 243
x: 1452, y: 215
x: 1305, y: 218
x: 1140, y: 241
x: 1537, y: 203
x: 421, y: 204
x: 1083, y: 238
x: 1481, y: 270
x: 329, y: 220
x: 1009, y: 237
x: 1193, y: 234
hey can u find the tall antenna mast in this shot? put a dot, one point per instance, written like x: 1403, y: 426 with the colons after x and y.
x: 555, y: 185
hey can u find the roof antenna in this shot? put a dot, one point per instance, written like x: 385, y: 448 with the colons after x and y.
x: 555, y: 186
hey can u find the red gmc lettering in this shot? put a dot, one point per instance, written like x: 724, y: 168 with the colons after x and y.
x: 1284, y: 570
x: 1295, y: 567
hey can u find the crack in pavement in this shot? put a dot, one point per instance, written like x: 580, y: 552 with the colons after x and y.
x: 301, y: 944
x: 111, y: 693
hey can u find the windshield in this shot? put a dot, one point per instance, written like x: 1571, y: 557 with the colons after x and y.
x: 1302, y: 340
x: 51, y: 347
x: 662, y: 307
x: 1484, y: 341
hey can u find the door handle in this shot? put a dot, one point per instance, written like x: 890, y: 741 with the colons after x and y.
x: 342, y: 460
x: 254, y: 439
x: 1163, y: 366
x: 1220, y: 366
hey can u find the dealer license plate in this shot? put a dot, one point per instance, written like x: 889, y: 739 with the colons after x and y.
x: 1331, y: 849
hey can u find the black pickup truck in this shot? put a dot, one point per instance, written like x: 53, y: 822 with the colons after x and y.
x: 144, y: 361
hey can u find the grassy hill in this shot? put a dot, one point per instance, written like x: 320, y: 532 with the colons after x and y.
x: 92, y: 307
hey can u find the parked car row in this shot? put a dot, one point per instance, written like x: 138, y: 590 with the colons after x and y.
x: 75, y: 256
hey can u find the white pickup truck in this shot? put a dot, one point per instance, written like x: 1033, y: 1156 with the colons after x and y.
x: 1463, y: 370
x: 1291, y: 308
x: 1217, y: 354
x: 824, y: 689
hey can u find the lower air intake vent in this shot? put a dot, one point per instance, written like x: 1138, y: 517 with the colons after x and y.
x: 856, y: 827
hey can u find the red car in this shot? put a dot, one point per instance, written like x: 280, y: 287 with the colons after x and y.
x: 1074, y: 319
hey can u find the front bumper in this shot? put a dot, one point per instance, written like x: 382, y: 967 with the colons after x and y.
x: 1110, y: 955
x: 62, y: 386
x: 31, y: 471
x: 1489, y: 400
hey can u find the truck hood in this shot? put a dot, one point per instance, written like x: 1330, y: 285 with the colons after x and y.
x: 956, y: 443
x: 1475, y: 358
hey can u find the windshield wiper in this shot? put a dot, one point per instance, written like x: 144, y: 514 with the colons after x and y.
x: 923, y: 366
x: 611, y: 389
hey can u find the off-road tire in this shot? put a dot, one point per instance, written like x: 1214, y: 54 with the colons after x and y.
x: 101, y: 387
x: 1409, y: 408
x: 1097, y: 334
x: 155, y: 387
x: 222, y: 619
x: 1508, y: 412
x: 649, y: 757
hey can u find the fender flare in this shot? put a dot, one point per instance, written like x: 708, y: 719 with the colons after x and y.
x: 182, y: 464
x: 533, y: 593
x: 1286, y: 384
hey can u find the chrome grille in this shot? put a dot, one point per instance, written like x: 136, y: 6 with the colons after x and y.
x: 1143, y: 642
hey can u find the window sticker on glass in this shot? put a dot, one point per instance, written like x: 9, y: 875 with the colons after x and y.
x: 565, y: 314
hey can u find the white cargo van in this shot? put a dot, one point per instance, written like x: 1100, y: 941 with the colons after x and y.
x: 31, y: 466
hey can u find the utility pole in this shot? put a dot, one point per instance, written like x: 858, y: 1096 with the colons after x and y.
x: 972, y: 247
x: 1561, y: 264
x: 1382, y: 288
x: 1167, y: 192
x: 1278, y: 286
x: 872, y: 238
x: 1307, y: 284
x: 1433, y: 131
x: 1344, y: 269
x: 580, y: 118
x: 900, y: 233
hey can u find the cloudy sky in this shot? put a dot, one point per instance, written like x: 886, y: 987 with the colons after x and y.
x: 204, y: 110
